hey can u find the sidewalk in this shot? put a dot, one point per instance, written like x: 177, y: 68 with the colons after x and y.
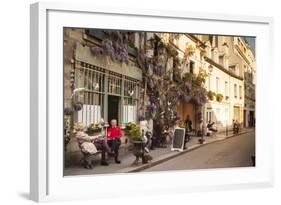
x: 159, y: 155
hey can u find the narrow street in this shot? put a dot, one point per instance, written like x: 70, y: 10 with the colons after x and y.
x: 232, y: 152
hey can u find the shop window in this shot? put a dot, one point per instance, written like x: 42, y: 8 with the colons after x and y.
x: 114, y: 83
x: 130, y: 104
x: 121, y: 92
x: 92, y: 79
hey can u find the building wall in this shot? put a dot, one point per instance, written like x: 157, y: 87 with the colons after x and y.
x: 223, y: 82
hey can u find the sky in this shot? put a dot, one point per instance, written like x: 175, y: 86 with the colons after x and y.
x: 252, y: 42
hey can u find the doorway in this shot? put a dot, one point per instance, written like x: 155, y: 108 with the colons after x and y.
x: 113, y: 108
x: 251, y: 124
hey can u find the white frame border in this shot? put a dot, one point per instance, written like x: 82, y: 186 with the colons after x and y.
x: 39, y: 76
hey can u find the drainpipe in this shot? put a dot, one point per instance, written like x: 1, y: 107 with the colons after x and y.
x: 204, y: 120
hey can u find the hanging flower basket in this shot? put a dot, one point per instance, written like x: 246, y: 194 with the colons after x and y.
x: 67, y: 111
x: 190, y: 50
x: 78, y: 106
x: 211, y: 95
x: 219, y: 97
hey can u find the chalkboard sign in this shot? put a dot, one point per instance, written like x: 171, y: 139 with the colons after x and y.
x: 178, y: 139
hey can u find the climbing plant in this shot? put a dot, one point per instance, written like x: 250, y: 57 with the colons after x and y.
x: 162, y: 72
x: 114, y: 45
x: 167, y: 86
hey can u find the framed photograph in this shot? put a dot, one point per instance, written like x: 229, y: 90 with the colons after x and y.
x: 147, y: 101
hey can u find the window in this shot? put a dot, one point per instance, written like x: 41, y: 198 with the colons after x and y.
x: 226, y: 89
x: 209, y: 116
x: 235, y: 90
x: 217, y: 84
x: 232, y: 68
x: 221, y: 60
x: 131, y: 93
x: 209, y: 82
x: 114, y: 83
x: 92, y: 79
x: 240, y: 92
x: 191, y: 67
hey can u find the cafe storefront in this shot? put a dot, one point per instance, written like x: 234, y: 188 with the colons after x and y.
x: 110, y: 90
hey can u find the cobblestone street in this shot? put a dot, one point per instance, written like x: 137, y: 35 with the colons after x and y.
x: 232, y: 152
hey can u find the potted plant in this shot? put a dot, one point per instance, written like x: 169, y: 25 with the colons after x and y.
x: 135, y: 133
x: 137, y: 139
x: 201, y: 141
x: 181, y: 123
x: 94, y: 128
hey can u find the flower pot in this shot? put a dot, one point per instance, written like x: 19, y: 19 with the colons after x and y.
x: 91, y: 130
x: 201, y: 141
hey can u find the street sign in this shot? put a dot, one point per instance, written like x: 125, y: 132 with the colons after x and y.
x: 178, y: 139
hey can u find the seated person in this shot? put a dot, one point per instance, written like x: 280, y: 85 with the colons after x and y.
x: 114, y: 135
x: 146, y: 135
x: 85, y: 143
x: 210, y: 127
x: 91, y: 144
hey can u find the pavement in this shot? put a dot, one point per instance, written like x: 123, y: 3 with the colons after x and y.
x: 160, y: 155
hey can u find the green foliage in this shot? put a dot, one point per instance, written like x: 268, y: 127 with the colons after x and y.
x: 181, y: 124
x: 130, y: 125
x: 135, y: 132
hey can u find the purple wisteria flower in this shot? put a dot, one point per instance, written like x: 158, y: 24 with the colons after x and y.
x: 141, y: 118
x: 187, y: 98
x: 188, y: 86
x: 151, y: 107
x: 108, y: 48
x: 177, y: 117
x: 158, y: 69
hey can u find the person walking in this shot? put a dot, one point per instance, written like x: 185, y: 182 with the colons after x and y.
x: 188, y: 124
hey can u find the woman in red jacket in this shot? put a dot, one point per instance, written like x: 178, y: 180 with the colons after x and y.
x: 114, y: 135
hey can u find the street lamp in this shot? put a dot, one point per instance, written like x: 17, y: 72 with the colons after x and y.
x: 76, y: 90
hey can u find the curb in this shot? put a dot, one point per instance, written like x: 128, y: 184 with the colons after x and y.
x: 172, y: 155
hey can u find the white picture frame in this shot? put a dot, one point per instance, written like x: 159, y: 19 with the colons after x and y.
x: 47, y: 182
